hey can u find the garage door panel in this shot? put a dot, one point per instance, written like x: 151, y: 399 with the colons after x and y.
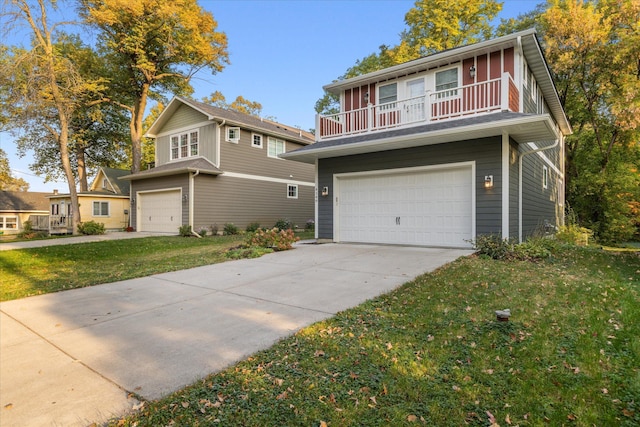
x: 160, y: 211
x: 420, y: 208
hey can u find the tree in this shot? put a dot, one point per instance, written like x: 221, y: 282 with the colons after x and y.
x: 593, y: 49
x: 7, y: 181
x: 42, y: 89
x: 434, y: 25
x: 241, y: 104
x: 154, y: 46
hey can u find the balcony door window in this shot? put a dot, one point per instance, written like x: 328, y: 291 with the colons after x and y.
x: 414, y: 108
x: 447, y: 82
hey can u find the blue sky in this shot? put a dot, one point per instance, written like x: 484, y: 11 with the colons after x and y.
x: 282, y: 52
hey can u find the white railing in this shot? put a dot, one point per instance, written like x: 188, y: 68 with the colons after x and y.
x: 479, y: 98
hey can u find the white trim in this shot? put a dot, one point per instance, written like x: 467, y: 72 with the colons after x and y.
x: 226, y: 134
x: 284, y: 147
x: 458, y: 93
x: 266, y: 178
x: 315, y: 213
x: 189, y: 144
x: 291, y: 186
x: 545, y: 177
x: 161, y: 190
x: 93, y: 212
x: 415, y: 169
x: 182, y: 129
x: 253, y: 144
x: 547, y: 160
x: 506, y: 155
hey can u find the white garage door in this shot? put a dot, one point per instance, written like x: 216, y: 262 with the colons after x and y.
x: 160, y: 211
x: 426, y: 208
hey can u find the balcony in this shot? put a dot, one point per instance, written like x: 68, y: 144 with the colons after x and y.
x: 480, y: 98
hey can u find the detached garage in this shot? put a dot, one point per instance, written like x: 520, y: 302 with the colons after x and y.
x: 428, y: 206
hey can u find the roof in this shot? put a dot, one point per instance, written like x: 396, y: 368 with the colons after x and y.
x: 231, y: 117
x: 525, y: 40
x: 23, y: 201
x: 522, y: 127
x: 196, y: 164
x: 112, y: 175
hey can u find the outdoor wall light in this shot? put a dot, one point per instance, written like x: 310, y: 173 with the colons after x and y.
x: 185, y: 197
x: 472, y: 71
x: 366, y: 97
x: 488, y: 181
x: 325, y: 191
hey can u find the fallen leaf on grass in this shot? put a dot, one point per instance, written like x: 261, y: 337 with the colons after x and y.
x: 412, y: 418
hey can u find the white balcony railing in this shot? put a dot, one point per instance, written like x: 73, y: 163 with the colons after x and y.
x: 479, y: 98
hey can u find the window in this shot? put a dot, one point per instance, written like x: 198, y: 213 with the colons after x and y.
x: 105, y: 183
x: 55, y: 209
x: 233, y: 134
x: 388, y: 93
x: 256, y: 140
x: 545, y: 177
x: 292, y: 191
x: 184, y: 145
x: 445, y: 81
x: 100, y: 208
x: 275, y: 147
x: 8, y: 222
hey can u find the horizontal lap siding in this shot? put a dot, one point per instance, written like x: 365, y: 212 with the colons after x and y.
x: 221, y: 199
x: 161, y: 183
x: 241, y: 157
x: 513, y: 189
x: 486, y: 152
x: 538, y: 203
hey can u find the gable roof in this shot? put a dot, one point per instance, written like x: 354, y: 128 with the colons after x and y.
x: 112, y: 176
x: 525, y: 41
x: 23, y: 201
x: 231, y: 117
x: 196, y: 164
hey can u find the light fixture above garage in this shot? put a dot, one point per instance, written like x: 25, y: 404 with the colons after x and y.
x: 488, y: 182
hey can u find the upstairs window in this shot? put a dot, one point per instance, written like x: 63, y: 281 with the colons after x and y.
x: 233, y: 134
x: 184, y: 145
x: 388, y: 93
x: 275, y: 147
x: 256, y: 140
x: 447, y: 82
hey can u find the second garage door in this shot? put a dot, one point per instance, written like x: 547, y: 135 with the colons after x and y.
x: 426, y: 208
x: 160, y: 211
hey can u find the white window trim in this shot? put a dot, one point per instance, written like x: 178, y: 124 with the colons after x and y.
x: 230, y: 129
x: 378, y: 87
x: 545, y: 177
x: 93, y: 211
x: 178, y: 135
x: 284, y: 147
x: 253, y: 143
x: 441, y: 94
x: 4, y: 218
x: 291, y: 187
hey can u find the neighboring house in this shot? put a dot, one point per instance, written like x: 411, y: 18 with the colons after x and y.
x: 17, y: 207
x: 215, y: 166
x: 106, y: 202
x: 437, y: 151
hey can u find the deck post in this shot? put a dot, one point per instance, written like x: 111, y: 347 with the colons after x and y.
x: 504, y: 92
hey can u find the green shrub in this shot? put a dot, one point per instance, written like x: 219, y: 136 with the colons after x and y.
x: 253, y: 227
x: 493, y: 246
x: 310, y: 225
x: 230, y: 229
x: 203, y: 232
x: 91, y: 228
x: 279, y: 240
x: 251, y: 252
x: 185, y: 230
x: 214, y: 230
x: 574, y: 234
x: 283, y: 224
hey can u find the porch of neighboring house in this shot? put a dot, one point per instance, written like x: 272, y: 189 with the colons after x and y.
x: 500, y: 94
x: 60, y: 224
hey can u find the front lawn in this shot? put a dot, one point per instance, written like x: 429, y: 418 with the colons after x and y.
x: 38, y: 271
x: 432, y: 353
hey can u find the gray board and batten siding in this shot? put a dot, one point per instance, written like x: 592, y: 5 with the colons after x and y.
x: 484, y: 152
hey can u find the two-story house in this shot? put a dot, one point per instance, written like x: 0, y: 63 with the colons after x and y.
x: 215, y: 166
x: 442, y: 149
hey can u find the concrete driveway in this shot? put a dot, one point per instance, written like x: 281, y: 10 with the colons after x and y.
x: 77, y: 357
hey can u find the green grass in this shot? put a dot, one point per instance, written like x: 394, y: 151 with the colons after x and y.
x: 432, y: 353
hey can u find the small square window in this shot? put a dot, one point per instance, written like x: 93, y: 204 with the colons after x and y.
x: 233, y: 134
x: 545, y: 177
x: 292, y: 191
x: 256, y: 140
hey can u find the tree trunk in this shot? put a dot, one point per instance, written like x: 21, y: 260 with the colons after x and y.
x: 82, y: 170
x: 135, y: 125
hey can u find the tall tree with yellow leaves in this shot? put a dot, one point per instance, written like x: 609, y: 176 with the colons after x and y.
x: 155, y: 47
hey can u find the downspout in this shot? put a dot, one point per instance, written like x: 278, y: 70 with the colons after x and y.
x: 537, y: 150
x: 192, y: 201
